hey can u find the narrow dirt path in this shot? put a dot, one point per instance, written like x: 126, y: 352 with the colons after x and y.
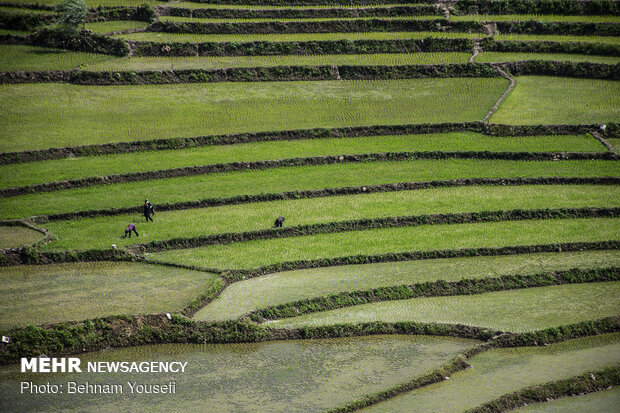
x: 604, y: 142
x: 502, y: 97
x: 476, y: 50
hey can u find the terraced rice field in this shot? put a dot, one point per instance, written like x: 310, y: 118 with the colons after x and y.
x: 515, y: 285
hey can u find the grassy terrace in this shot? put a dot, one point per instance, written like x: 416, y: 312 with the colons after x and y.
x: 320, y: 19
x: 536, y: 17
x: 17, y: 57
x: 192, y: 5
x: 295, y: 37
x: 204, y: 62
x: 558, y: 38
x: 13, y: 236
x: 502, y: 371
x: 63, y: 292
x: 287, y: 179
x: 493, y: 57
x: 93, y: 3
x: 537, y: 308
x: 115, y: 26
x: 71, y: 168
x: 280, y: 288
x: 99, y: 114
x: 254, y: 254
x: 534, y: 101
x: 105, y: 231
x: 605, y: 401
x: 24, y: 10
x: 255, y: 376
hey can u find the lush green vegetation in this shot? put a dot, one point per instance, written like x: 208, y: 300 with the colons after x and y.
x: 606, y: 401
x: 257, y: 376
x: 16, y: 57
x: 24, y: 10
x: 537, y: 308
x: 502, y: 371
x: 98, y: 114
x: 295, y: 37
x: 320, y: 19
x: 534, y: 101
x: 511, y: 57
x: 253, y: 294
x: 14, y: 236
x: 64, y: 292
x: 558, y: 38
x: 13, y: 175
x: 428, y: 237
x: 194, y: 5
x: 288, y: 179
x: 105, y: 231
x: 92, y: 3
x: 536, y: 17
x: 212, y: 62
x: 115, y: 26
x: 614, y: 142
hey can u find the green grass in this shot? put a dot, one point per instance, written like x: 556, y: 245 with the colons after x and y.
x: 115, y: 26
x: 14, y: 32
x: 502, y: 371
x: 318, y: 19
x: 192, y: 5
x: 204, y: 62
x: 254, y: 254
x: 16, y: 57
x: 105, y: 231
x: 511, y: 57
x: 22, y: 10
x: 535, y: 101
x: 295, y: 37
x: 248, y: 377
x: 606, y: 401
x: 14, y: 236
x: 53, y: 115
x: 558, y: 38
x: 523, y: 310
x: 63, y: 292
x: 614, y: 142
x: 288, y: 179
x: 275, y: 289
x: 536, y: 17
x: 93, y: 3
x: 71, y: 168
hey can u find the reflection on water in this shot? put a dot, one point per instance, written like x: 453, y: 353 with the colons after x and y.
x: 308, y: 375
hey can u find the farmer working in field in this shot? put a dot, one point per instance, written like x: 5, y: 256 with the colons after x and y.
x: 129, y: 229
x: 278, y: 223
x: 148, y: 210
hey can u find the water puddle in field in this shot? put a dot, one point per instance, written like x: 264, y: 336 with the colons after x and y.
x: 287, y: 376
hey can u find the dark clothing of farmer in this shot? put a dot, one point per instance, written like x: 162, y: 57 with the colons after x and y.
x: 148, y: 210
x: 278, y: 223
x: 130, y: 228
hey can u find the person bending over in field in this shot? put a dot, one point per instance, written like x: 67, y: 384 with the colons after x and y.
x: 148, y: 210
x: 129, y: 229
x: 278, y: 223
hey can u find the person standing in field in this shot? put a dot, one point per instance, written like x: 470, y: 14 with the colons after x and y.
x: 279, y: 222
x: 148, y: 210
x: 129, y: 229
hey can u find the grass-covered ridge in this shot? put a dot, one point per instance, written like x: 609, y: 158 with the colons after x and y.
x: 15, y: 175
x: 493, y: 57
x: 280, y: 288
x: 101, y: 232
x: 66, y: 292
x: 17, y: 57
x: 255, y: 254
x: 600, y: 401
x: 84, y: 114
x: 190, y: 188
x: 537, y: 308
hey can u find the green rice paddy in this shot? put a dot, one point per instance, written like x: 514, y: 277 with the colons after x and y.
x: 195, y: 5
x: 536, y: 17
x: 13, y: 175
x: 100, y: 114
x: 17, y: 236
x: 17, y: 57
x: 285, y: 20
x: 281, y: 288
x: 213, y: 62
x: 102, y: 232
x: 65, y: 292
x: 277, y: 180
x: 606, y: 401
x: 523, y: 310
x: 558, y: 38
x: 115, y: 26
x: 532, y: 101
x: 492, y: 57
x: 501, y: 371
x: 254, y: 254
